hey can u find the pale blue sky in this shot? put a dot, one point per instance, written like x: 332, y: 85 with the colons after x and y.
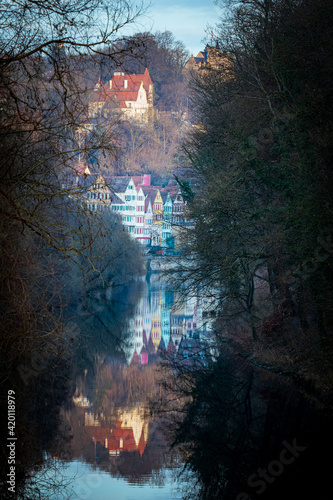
x: 186, y: 19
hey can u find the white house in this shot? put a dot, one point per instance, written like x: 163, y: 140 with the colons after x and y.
x: 129, y: 96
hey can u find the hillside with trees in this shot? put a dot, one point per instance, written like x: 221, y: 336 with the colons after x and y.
x: 140, y: 147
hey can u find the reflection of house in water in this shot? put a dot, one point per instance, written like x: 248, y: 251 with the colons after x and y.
x: 82, y: 401
x: 156, y: 322
x: 128, y: 433
x: 92, y: 419
x: 177, y: 327
x: 156, y: 317
x: 166, y: 304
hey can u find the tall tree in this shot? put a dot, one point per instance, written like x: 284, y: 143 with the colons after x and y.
x: 261, y: 156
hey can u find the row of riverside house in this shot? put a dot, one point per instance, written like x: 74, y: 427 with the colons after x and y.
x: 151, y: 214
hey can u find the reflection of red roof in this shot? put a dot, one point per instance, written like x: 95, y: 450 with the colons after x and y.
x: 144, y: 355
x: 117, y: 438
x: 141, y: 180
x: 142, y: 443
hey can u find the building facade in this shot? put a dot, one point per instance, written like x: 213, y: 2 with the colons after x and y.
x: 150, y: 214
x: 130, y: 96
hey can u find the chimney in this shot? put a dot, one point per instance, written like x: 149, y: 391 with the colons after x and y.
x: 146, y: 179
x: 125, y: 84
x: 110, y: 83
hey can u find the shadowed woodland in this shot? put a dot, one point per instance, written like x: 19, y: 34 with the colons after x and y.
x: 254, y: 157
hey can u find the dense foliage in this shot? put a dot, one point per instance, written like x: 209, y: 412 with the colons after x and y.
x: 260, y: 162
x: 258, y: 183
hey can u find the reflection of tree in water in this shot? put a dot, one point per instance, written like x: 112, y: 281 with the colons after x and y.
x: 232, y: 428
x: 39, y: 429
x: 43, y: 381
x: 101, y: 326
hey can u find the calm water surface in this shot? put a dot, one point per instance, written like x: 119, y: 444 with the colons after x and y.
x: 88, y: 482
x: 117, y: 450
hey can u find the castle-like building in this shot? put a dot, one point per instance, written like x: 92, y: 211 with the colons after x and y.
x: 210, y: 58
x: 128, y: 95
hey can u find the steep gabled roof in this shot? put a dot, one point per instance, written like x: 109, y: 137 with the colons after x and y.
x: 150, y: 192
x: 118, y: 184
x: 87, y: 181
x: 116, y: 200
x: 164, y: 196
x: 147, y: 201
x: 123, y: 88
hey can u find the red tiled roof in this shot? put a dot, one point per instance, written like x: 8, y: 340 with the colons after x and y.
x: 116, y: 96
x: 123, y: 88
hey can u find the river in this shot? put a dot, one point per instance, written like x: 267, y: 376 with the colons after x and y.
x: 117, y: 449
x: 101, y: 425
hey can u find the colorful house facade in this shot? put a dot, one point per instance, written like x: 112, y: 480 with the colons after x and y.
x: 150, y: 214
